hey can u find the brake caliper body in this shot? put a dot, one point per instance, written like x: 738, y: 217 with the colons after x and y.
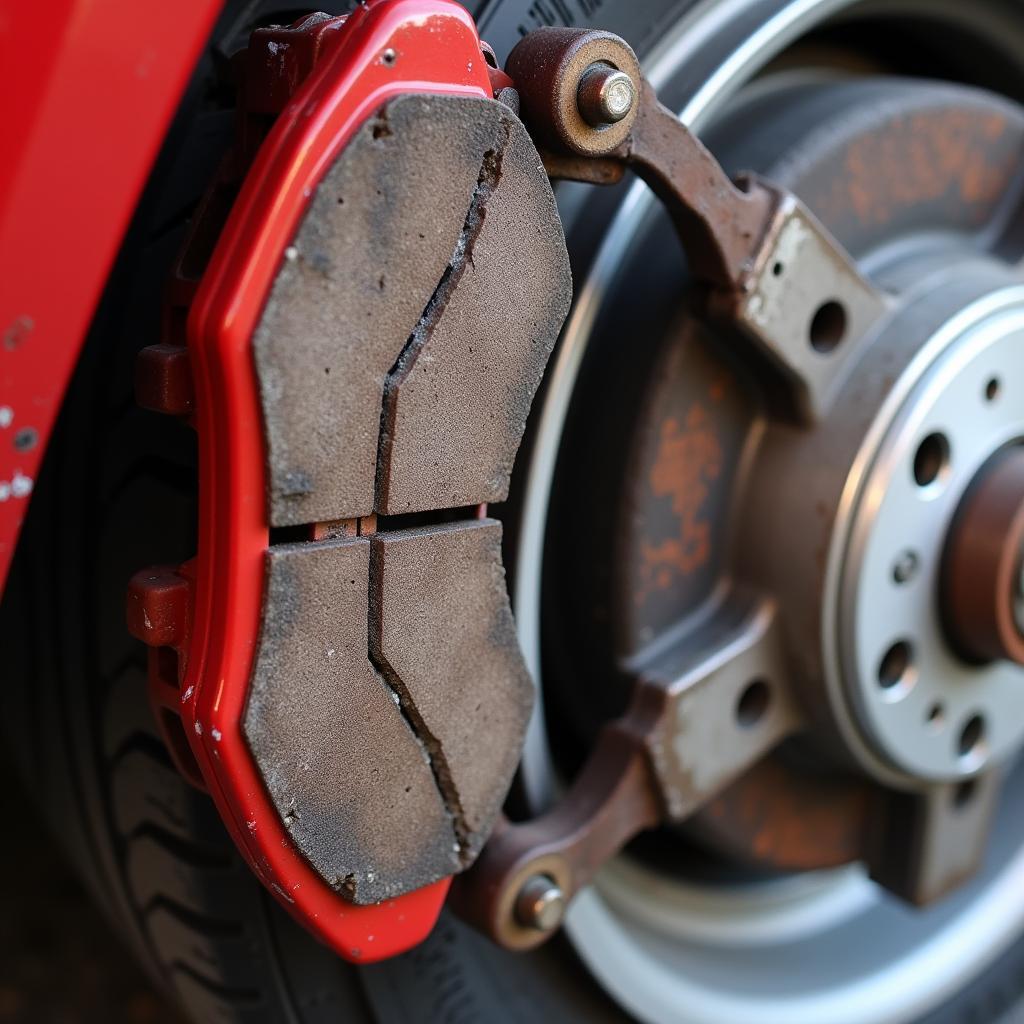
x: 359, y: 355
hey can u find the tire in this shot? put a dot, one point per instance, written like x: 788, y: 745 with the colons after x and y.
x: 116, y: 494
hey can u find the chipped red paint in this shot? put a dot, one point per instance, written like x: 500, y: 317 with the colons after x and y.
x: 95, y: 86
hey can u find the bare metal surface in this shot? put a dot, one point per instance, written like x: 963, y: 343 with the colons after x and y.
x: 605, y: 96
x: 540, y: 904
x: 806, y: 305
x: 723, y: 710
x: 927, y: 449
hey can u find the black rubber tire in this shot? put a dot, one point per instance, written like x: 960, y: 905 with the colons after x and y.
x: 116, y: 494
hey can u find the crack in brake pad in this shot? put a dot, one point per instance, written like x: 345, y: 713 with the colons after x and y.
x: 397, y: 358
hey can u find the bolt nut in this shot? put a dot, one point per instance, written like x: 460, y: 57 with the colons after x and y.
x: 605, y: 95
x: 540, y: 904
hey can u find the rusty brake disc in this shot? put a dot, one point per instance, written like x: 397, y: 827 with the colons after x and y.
x: 708, y: 716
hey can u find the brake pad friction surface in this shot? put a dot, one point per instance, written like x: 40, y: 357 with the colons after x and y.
x: 345, y: 771
x: 431, y: 266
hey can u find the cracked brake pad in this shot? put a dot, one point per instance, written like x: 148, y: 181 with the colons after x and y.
x: 424, y: 290
x: 397, y: 359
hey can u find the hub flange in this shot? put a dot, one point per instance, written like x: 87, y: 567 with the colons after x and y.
x: 927, y: 709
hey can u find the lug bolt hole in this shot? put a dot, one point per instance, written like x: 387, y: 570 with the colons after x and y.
x: 828, y: 327
x: 993, y: 389
x: 931, y: 460
x: 896, y: 670
x: 971, y: 742
x: 753, y: 703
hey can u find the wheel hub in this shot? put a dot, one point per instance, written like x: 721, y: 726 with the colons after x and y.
x: 928, y: 666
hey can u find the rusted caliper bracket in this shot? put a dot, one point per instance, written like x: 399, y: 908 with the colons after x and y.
x: 770, y: 267
x: 699, y: 718
x: 687, y: 735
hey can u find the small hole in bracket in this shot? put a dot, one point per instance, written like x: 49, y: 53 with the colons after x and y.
x: 992, y: 389
x: 753, y: 703
x: 828, y: 327
x: 777, y: 269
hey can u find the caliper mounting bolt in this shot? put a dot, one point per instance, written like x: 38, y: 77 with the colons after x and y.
x: 605, y: 95
x: 540, y: 904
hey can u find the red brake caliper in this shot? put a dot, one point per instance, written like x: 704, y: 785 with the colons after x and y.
x: 322, y: 79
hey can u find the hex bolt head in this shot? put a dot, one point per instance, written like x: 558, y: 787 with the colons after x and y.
x: 540, y: 904
x: 605, y: 95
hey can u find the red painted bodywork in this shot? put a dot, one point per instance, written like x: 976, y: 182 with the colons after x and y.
x: 430, y: 45
x: 92, y: 86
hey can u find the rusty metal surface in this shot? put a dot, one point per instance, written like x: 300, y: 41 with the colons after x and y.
x: 780, y: 816
x: 443, y: 636
x: 721, y: 226
x: 612, y: 800
x: 904, y: 157
x: 456, y: 403
x: 777, y: 273
x: 379, y: 235
x: 347, y: 773
x: 163, y: 380
x: 548, y: 65
x: 774, y: 272
x: 982, y: 581
x: 695, y: 725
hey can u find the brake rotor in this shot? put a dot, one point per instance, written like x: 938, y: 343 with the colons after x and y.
x: 879, y: 163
